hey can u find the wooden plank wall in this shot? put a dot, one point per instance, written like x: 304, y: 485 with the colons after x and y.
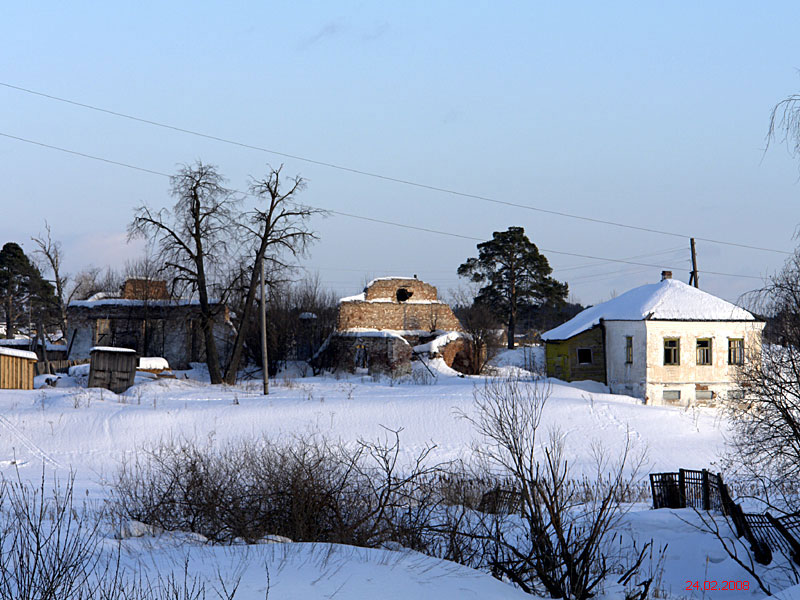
x: 114, y: 371
x: 16, y: 373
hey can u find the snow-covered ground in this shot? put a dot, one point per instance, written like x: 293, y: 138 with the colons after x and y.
x: 89, y: 432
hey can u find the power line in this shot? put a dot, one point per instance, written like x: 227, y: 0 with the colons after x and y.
x: 374, y: 175
x: 362, y: 217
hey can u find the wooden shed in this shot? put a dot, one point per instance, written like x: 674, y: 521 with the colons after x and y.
x: 112, y: 368
x: 16, y: 369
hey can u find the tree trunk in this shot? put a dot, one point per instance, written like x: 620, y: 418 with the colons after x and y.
x: 238, y: 344
x: 512, y: 326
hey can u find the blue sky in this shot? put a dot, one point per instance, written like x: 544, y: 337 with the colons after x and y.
x: 649, y: 114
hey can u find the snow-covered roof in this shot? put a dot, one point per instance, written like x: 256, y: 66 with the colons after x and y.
x: 22, y: 341
x: 668, y: 299
x: 111, y: 349
x: 399, y: 278
x: 126, y: 302
x: 436, y: 344
x: 153, y: 362
x: 18, y: 353
x: 357, y: 298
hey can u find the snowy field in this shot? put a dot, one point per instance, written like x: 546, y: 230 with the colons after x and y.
x: 69, y: 429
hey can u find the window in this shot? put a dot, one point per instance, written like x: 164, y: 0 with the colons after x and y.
x: 103, y: 336
x: 629, y: 349
x: 704, y: 395
x: 584, y: 356
x: 735, y: 351
x: 704, y: 351
x: 672, y: 395
x: 672, y: 351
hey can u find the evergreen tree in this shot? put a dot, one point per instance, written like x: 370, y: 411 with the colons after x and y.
x: 514, y: 274
x: 25, y: 296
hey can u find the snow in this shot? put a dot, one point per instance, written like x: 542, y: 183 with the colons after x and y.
x: 111, y: 349
x: 307, y: 315
x: 398, y: 278
x: 362, y: 297
x: 153, y: 363
x: 434, y: 345
x: 26, y: 341
x: 364, y: 332
x: 367, y: 331
x: 79, y: 370
x: 669, y: 299
x: 314, y: 571
x: 18, y: 353
x: 72, y: 430
x: 357, y: 298
x: 126, y: 302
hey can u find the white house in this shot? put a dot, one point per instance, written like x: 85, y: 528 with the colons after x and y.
x: 666, y: 342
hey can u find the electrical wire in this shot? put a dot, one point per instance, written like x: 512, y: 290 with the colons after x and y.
x: 380, y: 176
x: 363, y: 217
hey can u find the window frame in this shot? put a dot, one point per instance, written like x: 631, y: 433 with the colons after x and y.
x: 676, y: 350
x: 708, y: 361
x: 733, y: 351
x: 578, y: 356
x: 628, y: 349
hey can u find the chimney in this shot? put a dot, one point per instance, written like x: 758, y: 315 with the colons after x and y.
x: 666, y: 275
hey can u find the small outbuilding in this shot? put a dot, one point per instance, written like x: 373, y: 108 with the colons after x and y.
x: 112, y: 368
x: 16, y: 369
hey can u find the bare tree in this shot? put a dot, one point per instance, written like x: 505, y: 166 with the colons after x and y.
x: 563, y: 542
x: 480, y: 323
x: 193, y: 239
x: 784, y: 123
x: 50, y: 253
x: 277, y: 231
x: 93, y: 280
x: 766, y: 418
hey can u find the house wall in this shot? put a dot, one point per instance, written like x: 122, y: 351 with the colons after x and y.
x: 562, y: 357
x: 624, y: 378
x: 688, y: 377
x: 177, y: 335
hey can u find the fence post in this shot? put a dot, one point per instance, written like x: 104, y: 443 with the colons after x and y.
x: 781, y: 529
x: 656, y: 503
x: 682, y: 487
x: 725, y: 496
x: 704, y: 492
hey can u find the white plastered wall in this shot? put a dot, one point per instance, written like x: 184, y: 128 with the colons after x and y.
x: 688, y: 376
x: 626, y: 378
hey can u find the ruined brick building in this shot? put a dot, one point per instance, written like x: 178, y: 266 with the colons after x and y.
x: 394, y: 320
x: 145, y: 319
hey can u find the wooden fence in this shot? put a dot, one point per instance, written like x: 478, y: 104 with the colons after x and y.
x: 57, y: 366
x: 702, y: 490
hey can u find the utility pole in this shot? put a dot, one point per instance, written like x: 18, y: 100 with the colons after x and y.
x: 264, y: 362
x: 693, y: 279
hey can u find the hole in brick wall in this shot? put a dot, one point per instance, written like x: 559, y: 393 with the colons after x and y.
x: 403, y: 294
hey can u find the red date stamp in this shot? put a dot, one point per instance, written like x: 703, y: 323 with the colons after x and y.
x: 708, y: 586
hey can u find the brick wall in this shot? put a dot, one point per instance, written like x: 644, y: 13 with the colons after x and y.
x: 396, y: 315
x: 387, y: 288
x: 382, y: 310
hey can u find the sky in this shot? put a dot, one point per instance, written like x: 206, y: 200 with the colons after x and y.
x: 646, y: 114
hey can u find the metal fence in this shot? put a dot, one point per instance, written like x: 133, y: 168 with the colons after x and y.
x: 702, y: 490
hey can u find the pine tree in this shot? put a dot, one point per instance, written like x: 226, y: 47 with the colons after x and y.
x: 23, y: 291
x: 514, y: 275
